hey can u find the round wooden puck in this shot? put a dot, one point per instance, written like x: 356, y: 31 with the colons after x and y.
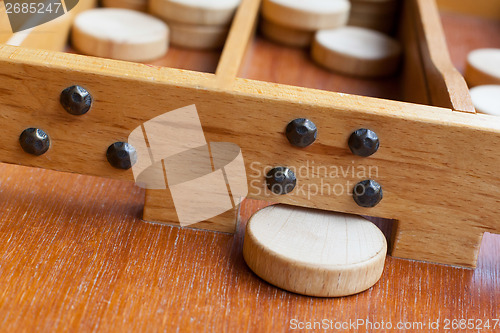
x: 314, y: 253
x: 120, y: 34
x: 486, y: 99
x: 376, y: 8
x: 356, y: 51
x: 385, y: 24
x: 284, y: 35
x: 139, y: 5
x: 483, y: 67
x: 310, y: 15
x: 197, y: 12
x: 200, y: 37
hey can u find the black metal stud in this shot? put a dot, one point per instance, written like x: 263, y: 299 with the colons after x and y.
x: 281, y: 180
x: 121, y: 155
x: 301, y: 132
x: 34, y: 141
x: 364, y: 142
x: 76, y: 100
x: 367, y: 193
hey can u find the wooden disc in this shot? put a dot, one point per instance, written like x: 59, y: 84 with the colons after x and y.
x: 314, y: 252
x: 120, y: 34
x: 376, y: 15
x: 376, y: 8
x: 486, y: 99
x: 200, y: 37
x: 197, y: 12
x: 284, y: 35
x: 139, y: 5
x: 385, y: 25
x: 310, y: 15
x: 483, y: 67
x: 356, y: 51
x: 373, y: 16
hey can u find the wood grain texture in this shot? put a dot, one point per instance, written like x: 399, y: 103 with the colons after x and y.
x: 341, y: 114
x: 117, y: 112
x: 75, y: 255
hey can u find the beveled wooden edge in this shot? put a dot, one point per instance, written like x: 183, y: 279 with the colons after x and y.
x: 415, y: 88
x: 239, y: 38
x: 49, y: 60
x: 447, y: 87
x: 438, y: 63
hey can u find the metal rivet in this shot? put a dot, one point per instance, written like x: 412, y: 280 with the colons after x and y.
x: 34, y: 141
x: 281, y: 180
x: 121, y: 155
x: 301, y: 132
x: 76, y: 100
x: 364, y: 142
x: 367, y: 193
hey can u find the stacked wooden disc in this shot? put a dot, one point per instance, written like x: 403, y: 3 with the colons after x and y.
x: 196, y: 24
x: 139, y: 5
x: 482, y: 73
x: 483, y: 67
x: 314, y: 253
x: 294, y: 22
x: 356, y: 51
x: 374, y: 14
x: 121, y: 34
x: 486, y: 99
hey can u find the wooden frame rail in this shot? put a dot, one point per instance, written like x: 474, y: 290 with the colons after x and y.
x: 437, y: 166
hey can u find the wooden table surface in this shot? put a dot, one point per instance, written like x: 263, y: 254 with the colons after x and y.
x: 75, y: 253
